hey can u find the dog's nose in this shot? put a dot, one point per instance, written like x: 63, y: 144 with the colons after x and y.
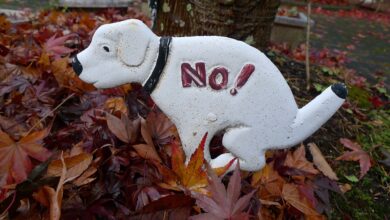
x: 77, y: 67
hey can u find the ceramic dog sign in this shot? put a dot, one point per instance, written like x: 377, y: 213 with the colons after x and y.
x: 208, y: 84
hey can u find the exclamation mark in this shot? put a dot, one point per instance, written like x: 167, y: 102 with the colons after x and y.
x: 242, y: 78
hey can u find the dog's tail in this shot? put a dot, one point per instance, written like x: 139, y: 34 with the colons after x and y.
x: 314, y: 114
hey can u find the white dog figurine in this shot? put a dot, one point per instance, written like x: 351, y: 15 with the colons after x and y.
x: 208, y: 84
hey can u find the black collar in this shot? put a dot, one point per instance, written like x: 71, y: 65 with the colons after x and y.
x: 162, y: 58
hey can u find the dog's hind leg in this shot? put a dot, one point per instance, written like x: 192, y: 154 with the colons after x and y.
x: 241, y: 142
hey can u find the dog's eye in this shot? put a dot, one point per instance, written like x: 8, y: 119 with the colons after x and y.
x: 106, y: 48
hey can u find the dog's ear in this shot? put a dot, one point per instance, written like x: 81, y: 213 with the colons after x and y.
x: 133, y: 43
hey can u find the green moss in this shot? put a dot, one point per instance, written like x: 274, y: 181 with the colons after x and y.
x: 366, y: 200
x: 360, y: 96
x: 379, y: 131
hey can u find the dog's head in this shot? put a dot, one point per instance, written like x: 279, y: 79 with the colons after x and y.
x: 116, y: 55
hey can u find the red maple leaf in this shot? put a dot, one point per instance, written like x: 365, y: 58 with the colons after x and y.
x: 357, y: 154
x: 376, y: 101
x: 55, y: 46
x: 15, y: 162
x: 223, y: 203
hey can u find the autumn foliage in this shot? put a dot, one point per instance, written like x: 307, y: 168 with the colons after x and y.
x: 70, y: 151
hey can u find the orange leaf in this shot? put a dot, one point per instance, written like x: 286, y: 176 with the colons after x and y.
x: 15, y: 159
x: 194, y: 175
x: 66, y: 77
x: 178, y: 160
x: 147, y: 151
x: 298, y: 160
x: 75, y: 165
x: 116, y: 104
x: 170, y: 179
x: 85, y: 178
x: 5, y: 24
x: 44, y: 60
x: 191, y: 176
x: 270, y: 182
x: 320, y: 162
x: 290, y: 194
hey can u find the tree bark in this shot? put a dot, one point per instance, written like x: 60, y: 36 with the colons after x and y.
x: 247, y: 20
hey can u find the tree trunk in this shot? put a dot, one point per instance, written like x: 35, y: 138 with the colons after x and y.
x: 247, y: 20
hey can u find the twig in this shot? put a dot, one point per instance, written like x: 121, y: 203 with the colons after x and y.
x: 9, y: 206
x: 47, y: 114
x: 307, y: 46
x: 378, y: 7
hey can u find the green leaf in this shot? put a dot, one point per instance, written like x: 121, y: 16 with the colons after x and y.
x: 318, y: 87
x: 327, y: 71
x: 381, y: 90
x: 189, y: 7
x: 349, y: 111
x: 166, y: 8
x: 352, y: 178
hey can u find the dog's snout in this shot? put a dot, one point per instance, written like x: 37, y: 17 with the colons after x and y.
x: 77, y: 67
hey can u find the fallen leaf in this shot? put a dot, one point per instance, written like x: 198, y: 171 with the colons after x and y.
x: 75, y: 150
x: 15, y: 159
x: 123, y: 128
x: 50, y: 197
x: 182, y: 176
x: 191, y: 176
x: 269, y: 182
x: 307, y: 190
x: 270, y: 203
x: 147, y: 150
x: 55, y: 46
x: 376, y: 101
x: 345, y: 187
x: 13, y: 128
x: 116, y: 104
x: 352, y: 178
x: 357, y: 154
x: 160, y: 127
x: 168, y: 202
x: 75, y: 165
x: 66, y: 77
x: 5, y: 24
x: 321, y: 163
x: 223, y: 203
x: 322, y: 185
x: 44, y: 59
x: 297, y: 160
x: 85, y: 178
x: 291, y: 195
